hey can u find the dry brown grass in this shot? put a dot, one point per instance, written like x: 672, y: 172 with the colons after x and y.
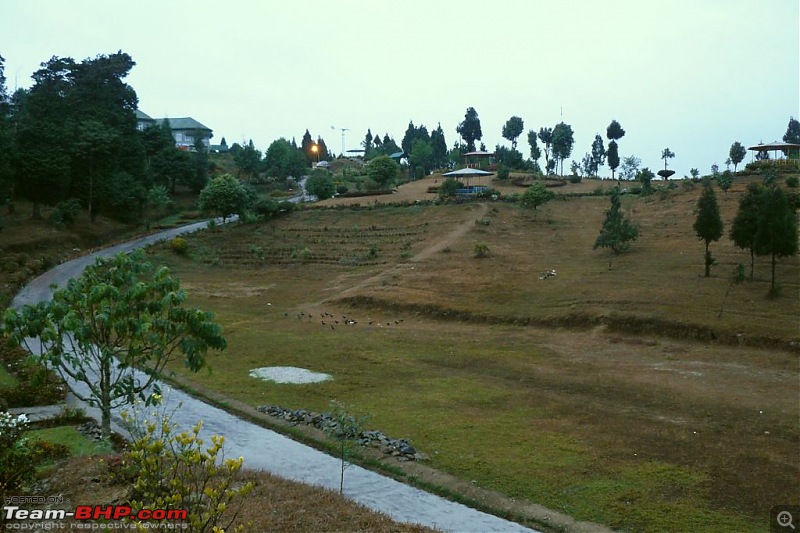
x: 275, y: 504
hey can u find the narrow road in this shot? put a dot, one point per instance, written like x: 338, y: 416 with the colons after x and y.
x: 267, y: 450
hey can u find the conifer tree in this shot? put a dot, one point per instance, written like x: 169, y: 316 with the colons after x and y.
x: 617, y: 232
x: 708, y: 225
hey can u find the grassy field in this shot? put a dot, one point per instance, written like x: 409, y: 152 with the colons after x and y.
x: 628, y: 391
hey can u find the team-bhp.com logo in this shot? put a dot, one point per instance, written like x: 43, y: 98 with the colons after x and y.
x: 112, y: 517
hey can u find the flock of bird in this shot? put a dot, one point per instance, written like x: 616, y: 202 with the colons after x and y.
x: 330, y: 320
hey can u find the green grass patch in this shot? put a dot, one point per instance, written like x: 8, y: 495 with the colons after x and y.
x: 69, y: 436
x: 7, y: 380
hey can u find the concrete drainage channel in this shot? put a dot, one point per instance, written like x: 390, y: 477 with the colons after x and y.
x: 267, y: 450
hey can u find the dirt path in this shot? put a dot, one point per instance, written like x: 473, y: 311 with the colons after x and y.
x: 445, y: 241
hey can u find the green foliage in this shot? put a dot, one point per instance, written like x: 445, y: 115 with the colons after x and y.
x: 792, y: 134
x: 383, y: 170
x: 737, y: 153
x: 792, y: 181
x: 345, y: 429
x: 421, y: 156
x: 320, y: 185
x: 598, y: 156
x: 449, y: 187
x: 178, y: 470
x: 16, y: 454
x: 630, y: 167
x: 776, y: 235
x: 503, y: 172
x: 612, y: 156
x: 512, y: 129
x: 617, y: 231
x: 224, y: 196
x: 179, y: 245
x: 536, y: 195
x: 283, y: 160
x: 470, y: 128
x: 725, y: 180
x: 508, y: 157
x: 66, y: 213
x: 708, y: 224
x: 745, y: 224
x: 645, y: 177
x: 563, y: 141
x: 666, y: 155
x: 248, y: 160
x: 120, y: 314
x: 480, y: 250
x: 614, y: 131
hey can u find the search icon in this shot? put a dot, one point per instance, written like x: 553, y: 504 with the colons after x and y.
x: 785, y: 519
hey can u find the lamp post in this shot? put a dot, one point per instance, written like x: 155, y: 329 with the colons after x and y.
x: 315, y: 149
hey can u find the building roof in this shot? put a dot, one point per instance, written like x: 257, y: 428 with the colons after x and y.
x: 184, y: 123
x: 142, y: 116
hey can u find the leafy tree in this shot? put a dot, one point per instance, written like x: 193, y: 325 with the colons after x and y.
x: 248, y: 160
x: 614, y: 132
x: 512, y: 130
x: 613, y: 157
x: 199, y: 160
x: 666, y: 155
x: 776, y: 235
x: 792, y: 134
x: 617, y: 231
x: 546, y: 136
x: 508, y: 157
x: 225, y: 196
x: 470, y: 128
x: 307, y: 143
x: 421, y: 156
x: 536, y: 195
x: 322, y: 150
x: 563, y: 141
x: 120, y: 315
x: 383, y: 170
x: 745, y: 223
x: 598, y: 154
x: 708, y: 225
x: 439, y: 147
x: 586, y: 166
x: 737, y: 153
x: 283, y: 160
x: 630, y: 167
x: 645, y: 177
x: 367, y: 143
x: 156, y: 200
x: 172, y: 167
x: 536, y: 153
x: 44, y: 136
x: 320, y: 185
x: 7, y: 142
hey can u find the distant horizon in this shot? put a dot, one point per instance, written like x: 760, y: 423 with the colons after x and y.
x: 690, y: 76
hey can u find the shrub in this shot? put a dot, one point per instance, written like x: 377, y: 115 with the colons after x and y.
x: 16, y: 454
x: 179, y: 245
x: 503, y: 172
x: 575, y: 178
x: 341, y: 189
x: 481, y: 250
x: 65, y: 213
x: 792, y: 181
x: 180, y: 471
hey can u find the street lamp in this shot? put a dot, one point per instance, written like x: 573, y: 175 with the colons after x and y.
x: 315, y: 149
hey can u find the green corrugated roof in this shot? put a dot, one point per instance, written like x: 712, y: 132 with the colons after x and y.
x: 184, y: 123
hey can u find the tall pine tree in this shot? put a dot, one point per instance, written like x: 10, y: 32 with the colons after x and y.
x: 708, y: 225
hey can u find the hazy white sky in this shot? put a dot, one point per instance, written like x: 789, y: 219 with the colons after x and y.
x: 691, y: 75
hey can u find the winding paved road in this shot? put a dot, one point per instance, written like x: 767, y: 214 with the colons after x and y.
x: 267, y: 450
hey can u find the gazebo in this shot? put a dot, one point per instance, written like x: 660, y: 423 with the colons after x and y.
x: 789, y: 150
x: 467, y: 173
x: 478, y: 159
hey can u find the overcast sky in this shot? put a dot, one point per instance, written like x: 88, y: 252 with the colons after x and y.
x: 691, y: 75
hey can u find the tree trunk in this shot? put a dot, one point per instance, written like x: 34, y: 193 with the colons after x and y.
x: 708, y: 262
x: 752, y: 262
x: 772, y: 283
x: 105, y: 397
x: 37, y: 210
